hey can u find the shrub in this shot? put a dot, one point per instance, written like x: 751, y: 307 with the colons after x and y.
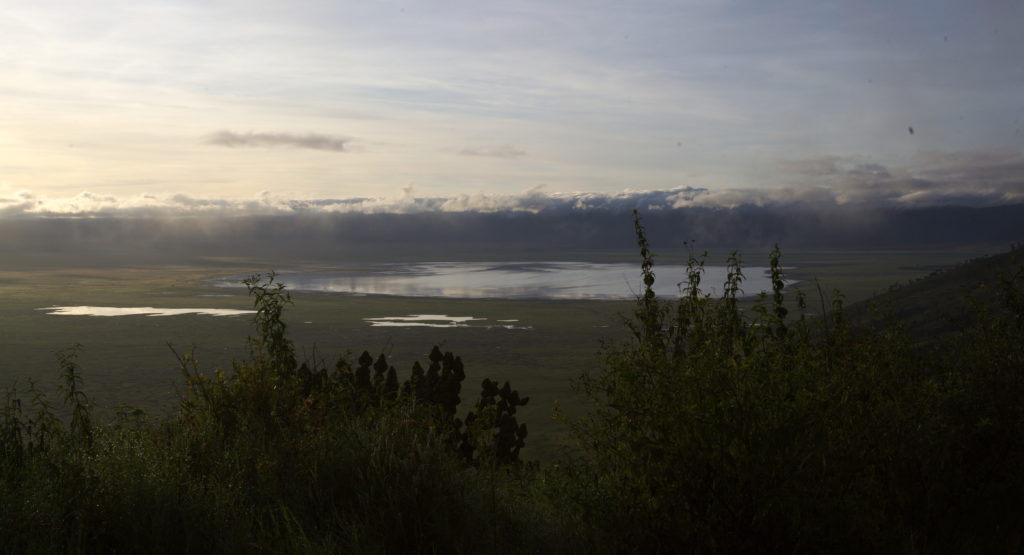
x: 721, y: 429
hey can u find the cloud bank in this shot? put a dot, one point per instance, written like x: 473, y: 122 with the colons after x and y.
x: 934, y: 179
x: 942, y: 200
x: 311, y: 141
x: 971, y: 179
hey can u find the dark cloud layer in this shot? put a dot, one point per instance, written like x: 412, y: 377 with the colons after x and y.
x: 312, y: 141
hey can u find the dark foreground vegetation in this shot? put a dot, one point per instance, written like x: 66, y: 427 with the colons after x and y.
x: 715, y: 429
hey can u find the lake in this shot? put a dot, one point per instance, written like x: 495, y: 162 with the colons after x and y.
x: 507, y: 280
x: 140, y: 311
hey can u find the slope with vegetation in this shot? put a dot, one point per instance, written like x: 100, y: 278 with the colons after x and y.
x: 716, y: 429
x: 933, y: 308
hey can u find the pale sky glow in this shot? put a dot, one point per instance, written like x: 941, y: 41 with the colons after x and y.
x: 336, y: 99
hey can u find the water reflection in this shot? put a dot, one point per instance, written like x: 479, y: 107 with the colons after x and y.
x: 439, y: 321
x: 510, y: 280
x: 140, y: 311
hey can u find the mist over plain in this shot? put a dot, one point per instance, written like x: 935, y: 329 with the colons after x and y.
x: 560, y: 231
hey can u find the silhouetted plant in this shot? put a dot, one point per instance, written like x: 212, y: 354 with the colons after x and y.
x: 74, y: 398
x: 492, y: 433
x: 270, y: 345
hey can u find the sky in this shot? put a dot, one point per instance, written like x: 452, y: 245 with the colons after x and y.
x: 469, y: 105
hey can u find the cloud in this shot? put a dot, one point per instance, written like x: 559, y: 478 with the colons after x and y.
x: 532, y: 200
x: 311, y: 141
x: 933, y: 179
x: 971, y: 178
x: 17, y: 202
x: 941, y: 199
x: 502, y: 151
x: 965, y: 178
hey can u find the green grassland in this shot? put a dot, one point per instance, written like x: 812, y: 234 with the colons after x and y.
x: 126, y: 360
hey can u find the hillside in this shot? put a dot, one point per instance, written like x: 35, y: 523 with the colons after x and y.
x: 945, y: 301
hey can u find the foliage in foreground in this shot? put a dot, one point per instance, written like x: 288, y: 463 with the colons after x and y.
x: 720, y: 427
x: 731, y: 431
x: 271, y: 456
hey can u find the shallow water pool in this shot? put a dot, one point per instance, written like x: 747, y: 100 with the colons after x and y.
x: 509, y: 280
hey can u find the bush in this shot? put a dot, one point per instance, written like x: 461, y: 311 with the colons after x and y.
x: 725, y: 430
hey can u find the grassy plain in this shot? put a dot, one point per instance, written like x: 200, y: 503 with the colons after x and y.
x: 126, y: 359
